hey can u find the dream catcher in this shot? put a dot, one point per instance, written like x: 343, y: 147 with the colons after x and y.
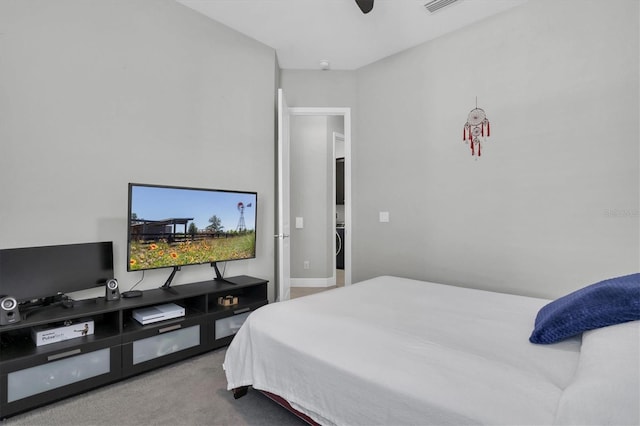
x: 476, y: 129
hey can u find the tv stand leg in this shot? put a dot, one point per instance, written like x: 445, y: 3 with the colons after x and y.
x: 218, y: 276
x: 167, y: 285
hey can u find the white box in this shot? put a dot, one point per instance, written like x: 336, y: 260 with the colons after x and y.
x: 44, y: 336
x: 158, y: 313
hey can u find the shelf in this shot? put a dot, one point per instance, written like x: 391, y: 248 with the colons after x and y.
x: 131, y: 325
x: 22, y: 345
x: 56, y: 313
x: 121, y: 344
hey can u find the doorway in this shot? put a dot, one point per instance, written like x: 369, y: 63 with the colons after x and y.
x: 318, y: 208
x: 298, y: 222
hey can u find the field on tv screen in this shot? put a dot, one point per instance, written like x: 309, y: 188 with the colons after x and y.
x: 160, y: 254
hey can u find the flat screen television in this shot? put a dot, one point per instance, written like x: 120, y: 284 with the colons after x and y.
x: 32, y: 273
x: 172, y: 227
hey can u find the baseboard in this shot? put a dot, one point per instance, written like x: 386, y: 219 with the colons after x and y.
x: 313, y: 282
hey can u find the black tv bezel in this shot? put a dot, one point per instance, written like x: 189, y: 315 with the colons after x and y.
x: 189, y: 188
x: 54, y: 282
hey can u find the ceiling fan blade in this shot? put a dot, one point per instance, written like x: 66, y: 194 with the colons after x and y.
x: 365, y: 5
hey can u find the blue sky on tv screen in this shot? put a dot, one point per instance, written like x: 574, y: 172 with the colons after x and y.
x: 157, y: 203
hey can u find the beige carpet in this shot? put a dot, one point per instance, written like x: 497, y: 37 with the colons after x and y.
x: 296, y: 292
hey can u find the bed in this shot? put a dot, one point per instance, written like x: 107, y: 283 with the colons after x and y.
x: 396, y: 351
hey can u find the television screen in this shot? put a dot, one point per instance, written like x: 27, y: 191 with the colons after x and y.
x: 38, y: 272
x: 173, y: 226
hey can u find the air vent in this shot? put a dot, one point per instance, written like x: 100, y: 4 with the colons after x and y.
x: 436, y: 5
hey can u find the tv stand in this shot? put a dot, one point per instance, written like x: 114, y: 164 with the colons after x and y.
x: 167, y: 285
x: 120, y: 347
x: 218, y: 277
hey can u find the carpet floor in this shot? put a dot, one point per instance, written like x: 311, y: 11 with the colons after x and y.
x: 191, y: 392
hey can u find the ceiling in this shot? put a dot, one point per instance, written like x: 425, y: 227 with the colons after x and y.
x: 306, y: 32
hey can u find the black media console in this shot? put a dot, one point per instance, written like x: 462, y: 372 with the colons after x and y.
x: 120, y: 346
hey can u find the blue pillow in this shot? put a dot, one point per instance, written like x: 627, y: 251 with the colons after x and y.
x: 608, y: 302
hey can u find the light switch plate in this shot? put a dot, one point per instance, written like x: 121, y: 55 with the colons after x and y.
x: 299, y: 222
x: 384, y: 216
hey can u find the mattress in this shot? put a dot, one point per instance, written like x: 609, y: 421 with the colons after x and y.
x: 397, y: 351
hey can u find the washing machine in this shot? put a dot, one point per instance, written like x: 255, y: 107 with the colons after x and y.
x: 340, y: 247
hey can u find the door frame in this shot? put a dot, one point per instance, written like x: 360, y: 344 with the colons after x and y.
x: 283, y: 248
x: 346, y: 114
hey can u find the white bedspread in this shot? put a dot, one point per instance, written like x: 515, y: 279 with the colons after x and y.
x: 393, y: 351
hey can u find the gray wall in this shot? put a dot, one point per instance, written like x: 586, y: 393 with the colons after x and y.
x: 319, y: 88
x: 552, y: 205
x: 312, y: 195
x: 309, y: 175
x: 90, y: 89
x: 96, y: 94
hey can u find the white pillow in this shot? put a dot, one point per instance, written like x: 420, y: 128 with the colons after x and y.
x: 606, y: 387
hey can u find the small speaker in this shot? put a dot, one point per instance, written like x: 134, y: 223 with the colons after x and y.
x: 8, y: 310
x: 111, y: 290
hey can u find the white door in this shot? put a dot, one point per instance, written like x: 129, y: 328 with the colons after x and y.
x: 284, y: 227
